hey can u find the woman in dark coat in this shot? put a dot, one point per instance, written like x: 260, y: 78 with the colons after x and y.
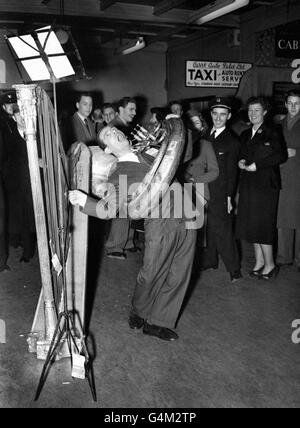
x: 262, y: 151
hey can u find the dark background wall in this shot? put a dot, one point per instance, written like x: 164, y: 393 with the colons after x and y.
x: 211, y: 48
x: 156, y: 74
x: 111, y: 77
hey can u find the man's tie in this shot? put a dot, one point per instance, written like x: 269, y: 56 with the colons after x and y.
x: 213, y: 135
x: 87, y: 125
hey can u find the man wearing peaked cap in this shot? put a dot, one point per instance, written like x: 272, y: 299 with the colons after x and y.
x: 7, y: 101
x: 220, y: 102
x: 220, y: 235
x: 8, y: 98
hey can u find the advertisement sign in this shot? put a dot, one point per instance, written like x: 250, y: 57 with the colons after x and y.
x: 212, y: 74
x: 287, y: 45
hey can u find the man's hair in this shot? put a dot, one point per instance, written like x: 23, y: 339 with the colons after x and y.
x: 125, y: 101
x: 102, y: 133
x: 160, y: 113
x: 175, y: 102
x: 108, y: 105
x: 292, y: 93
x: 102, y: 144
x: 82, y: 94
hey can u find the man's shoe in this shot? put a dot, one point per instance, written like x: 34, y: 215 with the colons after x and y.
x: 162, y: 333
x: 116, y: 255
x: 235, y: 276
x: 135, y: 321
x: 4, y: 268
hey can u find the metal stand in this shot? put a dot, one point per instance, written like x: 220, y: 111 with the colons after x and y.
x: 65, y: 328
x: 64, y: 332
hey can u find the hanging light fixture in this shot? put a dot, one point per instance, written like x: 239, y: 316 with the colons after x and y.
x: 128, y: 49
x: 61, y: 33
x: 215, y: 9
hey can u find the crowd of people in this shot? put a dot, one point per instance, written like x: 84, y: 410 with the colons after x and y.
x: 251, y: 176
x: 243, y: 170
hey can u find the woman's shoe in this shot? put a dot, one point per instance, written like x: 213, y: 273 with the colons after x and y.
x: 271, y: 275
x: 256, y: 274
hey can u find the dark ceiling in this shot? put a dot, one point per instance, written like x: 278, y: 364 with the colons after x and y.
x: 110, y: 20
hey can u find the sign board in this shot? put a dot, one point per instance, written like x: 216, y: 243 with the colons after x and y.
x: 212, y: 74
x: 287, y: 44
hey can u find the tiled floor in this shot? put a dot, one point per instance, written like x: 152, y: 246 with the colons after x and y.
x: 235, y: 347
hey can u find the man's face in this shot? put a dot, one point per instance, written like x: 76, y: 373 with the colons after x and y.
x: 293, y: 105
x: 220, y: 115
x: 114, y: 140
x: 128, y: 113
x: 109, y: 114
x: 18, y: 118
x: 9, y: 108
x: 85, y: 106
x: 177, y: 109
x: 153, y: 120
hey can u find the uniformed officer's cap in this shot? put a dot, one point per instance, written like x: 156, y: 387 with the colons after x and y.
x: 8, y: 98
x: 220, y: 102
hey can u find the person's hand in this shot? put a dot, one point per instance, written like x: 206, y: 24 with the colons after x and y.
x: 251, y: 168
x: 197, y: 123
x: 229, y: 205
x: 242, y: 164
x: 292, y: 153
x: 76, y: 197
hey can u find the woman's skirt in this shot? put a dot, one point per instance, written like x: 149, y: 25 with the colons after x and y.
x: 257, y: 215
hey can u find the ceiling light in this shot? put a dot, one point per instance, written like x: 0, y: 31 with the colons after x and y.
x: 140, y: 44
x: 215, y: 9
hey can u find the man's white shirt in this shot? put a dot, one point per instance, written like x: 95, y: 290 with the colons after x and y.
x: 217, y: 131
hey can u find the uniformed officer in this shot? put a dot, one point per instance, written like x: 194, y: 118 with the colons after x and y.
x: 220, y: 236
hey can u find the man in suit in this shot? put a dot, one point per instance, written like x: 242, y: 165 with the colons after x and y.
x: 220, y: 234
x: 288, y: 222
x: 80, y: 127
x: 121, y: 234
x: 169, y: 247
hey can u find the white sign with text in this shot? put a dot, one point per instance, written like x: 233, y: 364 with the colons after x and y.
x: 212, y: 74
